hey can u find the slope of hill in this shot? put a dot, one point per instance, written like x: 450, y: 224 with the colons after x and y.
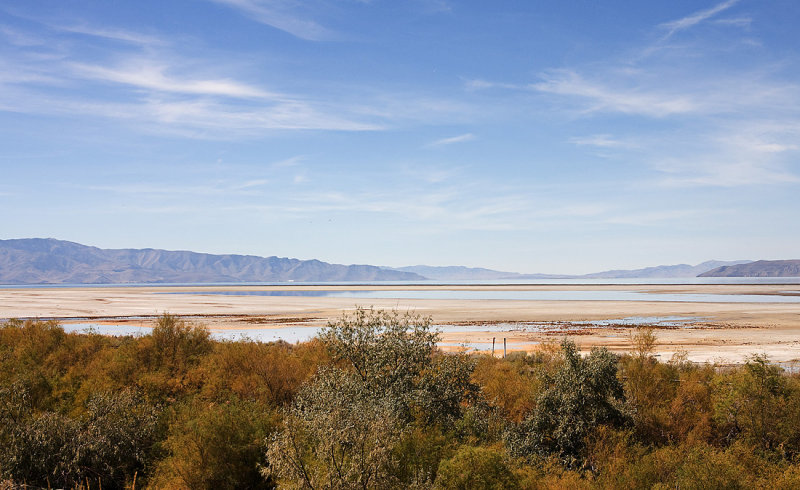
x: 50, y: 261
x: 759, y: 268
x: 461, y: 273
x: 664, y: 271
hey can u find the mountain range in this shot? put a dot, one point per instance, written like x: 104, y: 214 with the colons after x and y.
x: 459, y: 273
x: 759, y: 268
x: 51, y: 261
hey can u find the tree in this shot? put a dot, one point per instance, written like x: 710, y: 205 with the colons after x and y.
x: 337, y: 434
x: 109, y: 444
x: 216, y: 446
x: 583, y: 394
x: 476, y: 468
x: 393, y: 355
x: 754, y: 404
x: 345, y: 424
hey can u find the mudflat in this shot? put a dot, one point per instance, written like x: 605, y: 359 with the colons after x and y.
x: 717, y: 330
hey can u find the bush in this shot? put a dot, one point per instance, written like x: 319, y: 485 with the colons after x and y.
x: 582, y: 395
x: 109, y: 444
x: 338, y: 434
x: 216, y: 446
x: 476, y: 468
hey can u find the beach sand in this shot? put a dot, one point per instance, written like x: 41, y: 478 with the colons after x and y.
x: 720, y: 331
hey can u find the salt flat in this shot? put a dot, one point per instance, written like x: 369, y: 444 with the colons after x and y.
x: 718, y: 330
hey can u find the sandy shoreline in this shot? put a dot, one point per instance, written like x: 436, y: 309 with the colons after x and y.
x: 719, y: 331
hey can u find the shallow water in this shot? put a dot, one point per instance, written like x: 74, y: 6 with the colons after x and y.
x: 578, y: 281
x: 569, y: 295
x: 287, y: 334
x: 295, y: 334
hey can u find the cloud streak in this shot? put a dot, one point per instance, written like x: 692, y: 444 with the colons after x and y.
x: 114, y: 34
x: 461, y: 138
x: 692, y: 20
x: 148, y: 75
x: 601, y: 141
x: 278, y: 14
x: 616, y: 99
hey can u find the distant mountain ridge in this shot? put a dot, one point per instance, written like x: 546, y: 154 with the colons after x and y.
x: 51, y: 261
x: 759, y: 268
x: 460, y: 273
x: 665, y: 271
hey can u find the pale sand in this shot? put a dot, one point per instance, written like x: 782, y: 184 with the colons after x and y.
x: 726, y: 332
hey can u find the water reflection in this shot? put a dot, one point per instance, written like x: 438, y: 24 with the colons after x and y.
x: 537, y: 295
x: 293, y: 334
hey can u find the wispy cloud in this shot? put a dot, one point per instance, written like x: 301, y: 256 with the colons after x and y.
x: 181, y: 95
x: 479, y: 84
x: 739, y: 154
x: 696, y: 18
x: 288, y: 162
x: 280, y: 14
x: 735, y: 21
x: 729, y: 126
x: 461, y: 138
x: 226, y: 188
x: 153, y: 76
x: 650, y: 218
x: 114, y: 34
x: 601, y: 141
x: 628, y: 100
x: 198, y: 118
x: 21, y: 38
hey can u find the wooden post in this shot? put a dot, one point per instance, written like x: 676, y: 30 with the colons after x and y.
x: 504, y: 347
x: 492, y: 346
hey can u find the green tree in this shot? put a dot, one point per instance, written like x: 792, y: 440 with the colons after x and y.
x: 753, y: 403
x: 217, y: 446
x: 337, y: 434
x: 345, y: 427
x: 476, y: 468
x: 393, y: 356
x: 109, y: 444
x: 583, y: 394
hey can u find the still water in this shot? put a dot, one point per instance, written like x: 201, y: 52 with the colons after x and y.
x: 647, y: 280
x: 539, y: 295
x: 295, y: 334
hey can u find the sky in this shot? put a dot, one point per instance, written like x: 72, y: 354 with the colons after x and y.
x: 551, y: 137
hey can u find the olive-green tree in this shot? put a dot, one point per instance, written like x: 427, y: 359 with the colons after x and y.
x: 344, y: 427
x: 337, y: 434
x: 753, y: 403
x: 109, y: 444
x: 583, y: 394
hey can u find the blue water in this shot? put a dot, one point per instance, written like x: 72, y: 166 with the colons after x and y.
x: 670, y: 280
x: 543, y: 295
x: 293, y: 334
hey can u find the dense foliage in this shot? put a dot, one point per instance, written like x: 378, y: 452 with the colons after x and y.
x: 371, y: 403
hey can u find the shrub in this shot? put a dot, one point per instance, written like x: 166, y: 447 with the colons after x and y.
x: 476, y: 468
x: 216, y: 446
x: 582, y: 395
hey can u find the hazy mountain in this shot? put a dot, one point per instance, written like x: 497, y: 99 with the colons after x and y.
x: 37, y: 261
x: 461, y: 273
x: 664, y: 271
x: 759, y: 268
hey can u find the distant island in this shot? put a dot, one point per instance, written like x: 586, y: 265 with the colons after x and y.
x: 759, y: 268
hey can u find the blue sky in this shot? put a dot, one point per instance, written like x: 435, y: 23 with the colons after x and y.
x: 567, y: 137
